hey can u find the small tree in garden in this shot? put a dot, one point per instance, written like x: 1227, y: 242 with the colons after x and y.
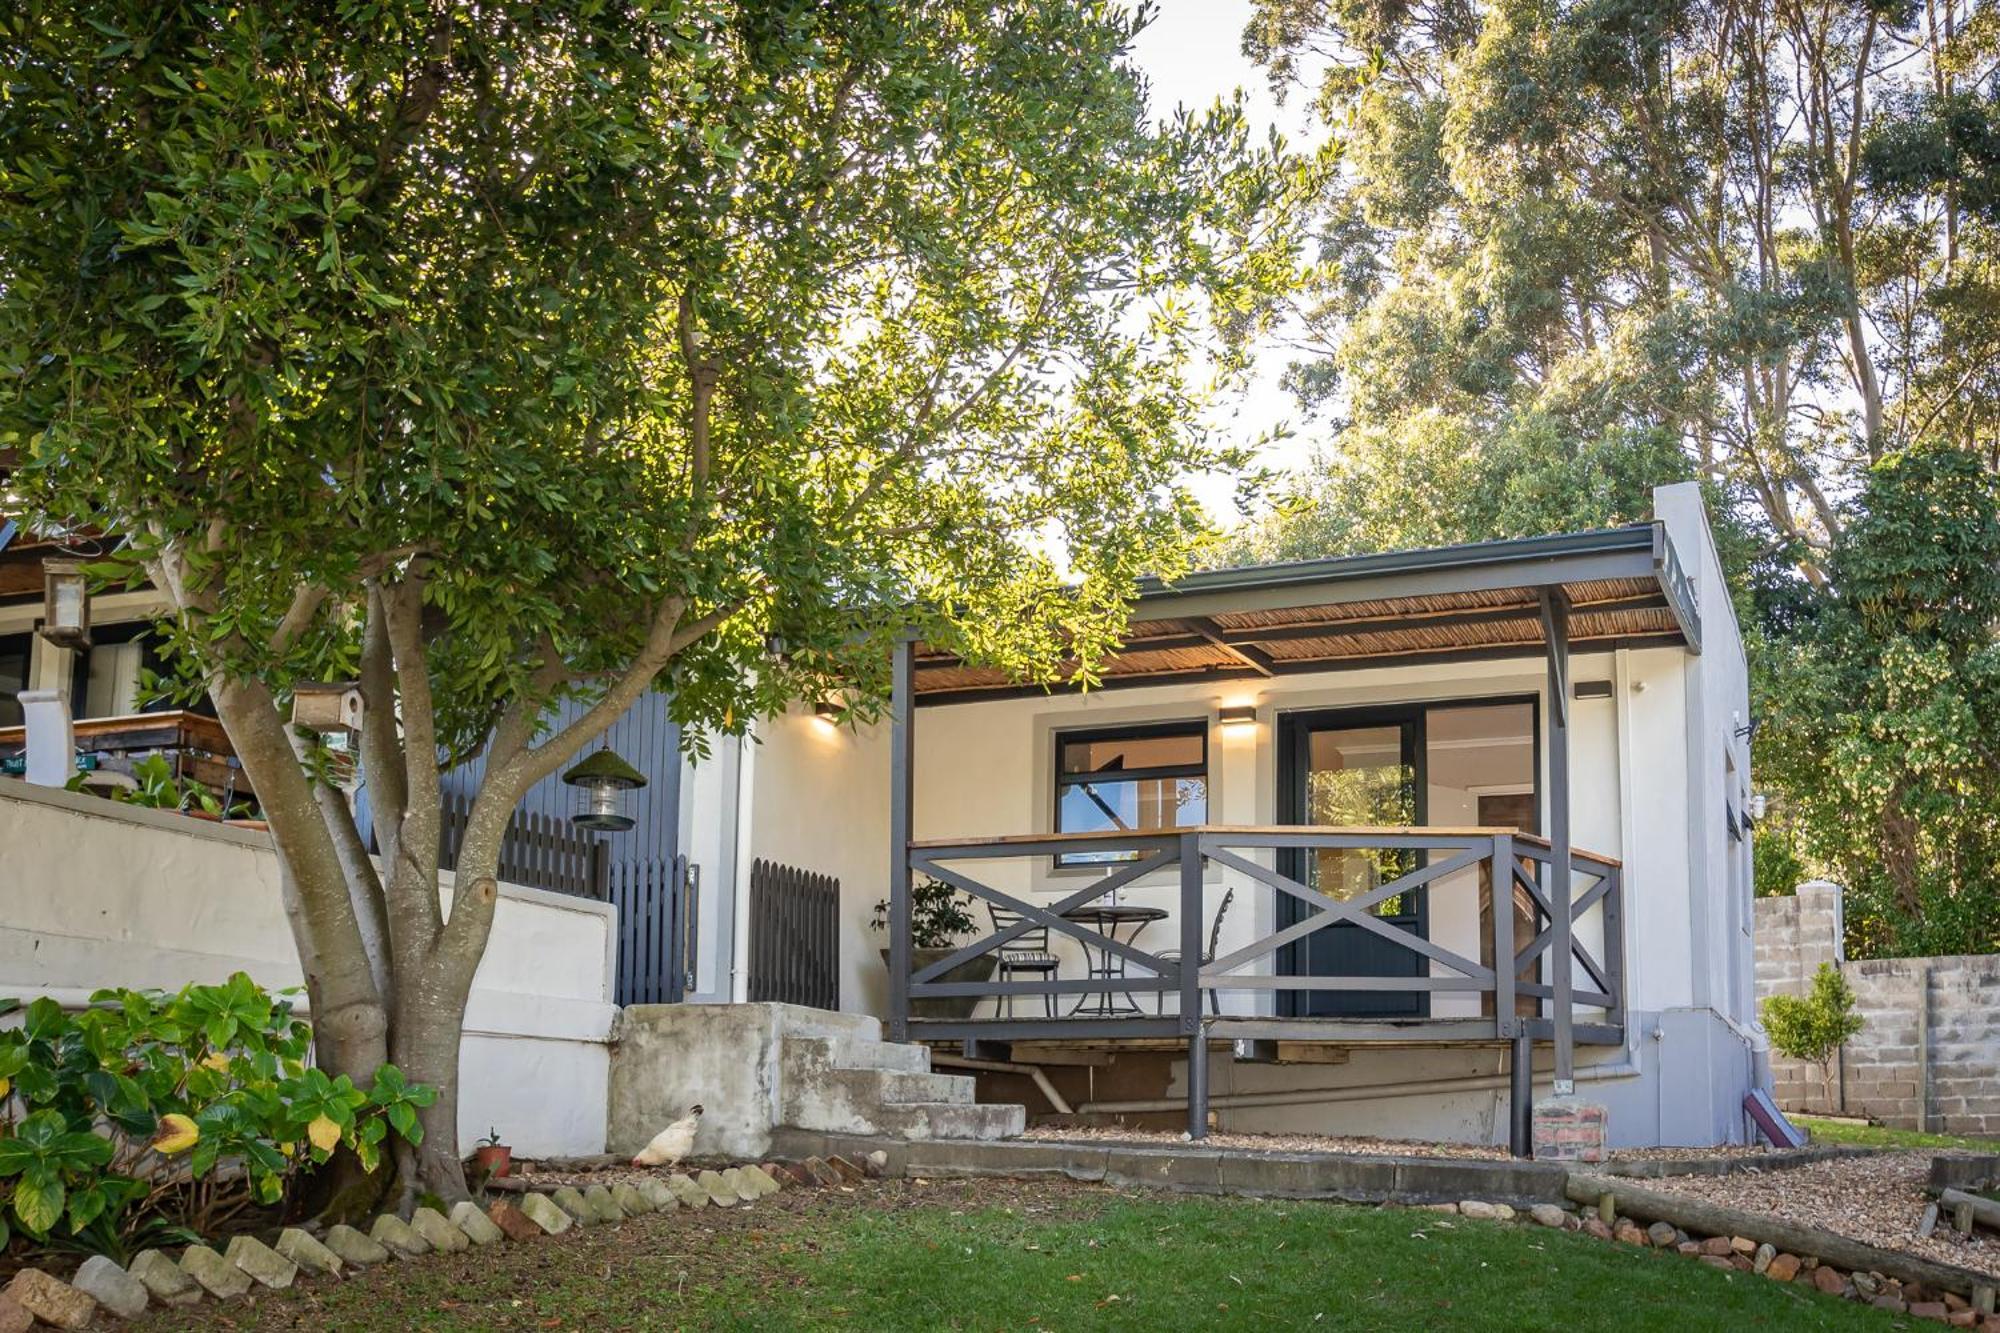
x: 1814, y: 1027
x: 496, y: 355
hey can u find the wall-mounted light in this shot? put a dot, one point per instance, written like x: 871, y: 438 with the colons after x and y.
x: 1237, y: 715
x: 603, y: 779
x: 332, y: 709
x: 65, y: 604
x: 1756, y: 805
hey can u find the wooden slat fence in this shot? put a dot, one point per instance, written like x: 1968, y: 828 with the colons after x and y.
x: 542, y: 851
x: 794, y: 936
x: 657, y: 904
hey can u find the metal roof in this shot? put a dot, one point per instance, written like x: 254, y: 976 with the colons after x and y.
x: 1481, y: 600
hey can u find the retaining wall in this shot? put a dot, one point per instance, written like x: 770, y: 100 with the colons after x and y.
x: 1929, y: 1055
x: 95, y: 894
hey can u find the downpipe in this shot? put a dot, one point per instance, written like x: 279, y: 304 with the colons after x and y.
x: 1351, y: 1092
x: 1057, y: 1101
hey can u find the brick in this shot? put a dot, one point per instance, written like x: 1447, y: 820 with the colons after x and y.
x: 261, y: 1262
x: 51, y: 1300
x: 305, y: 1250
x: 477, y: 1226
x: 164, y: 1279
x: 545, y: 1213
x: 111, y: 1287
x: 398, y: 1237
x: 13, y: 1319
x: 512, y: 1222
x: 438, y: 1231
x: 217, y: 1276
x: 353, y: 1247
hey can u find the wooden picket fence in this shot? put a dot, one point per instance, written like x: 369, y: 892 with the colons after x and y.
x: 794, y: 936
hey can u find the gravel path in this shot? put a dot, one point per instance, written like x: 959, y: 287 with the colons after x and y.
x: 1877, y: 1199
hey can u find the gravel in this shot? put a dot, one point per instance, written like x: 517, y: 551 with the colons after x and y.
x: 1271, y: 1142
x: 1877, y: 1199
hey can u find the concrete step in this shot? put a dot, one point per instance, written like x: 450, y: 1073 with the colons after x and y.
x: 898, y: 1087
x: 985, y: 1121
x: 859, y: 1053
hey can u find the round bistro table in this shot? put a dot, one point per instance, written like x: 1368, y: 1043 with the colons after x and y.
x: 1108, y: 919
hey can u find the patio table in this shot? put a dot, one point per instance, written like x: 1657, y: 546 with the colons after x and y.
x: 1107, y: 919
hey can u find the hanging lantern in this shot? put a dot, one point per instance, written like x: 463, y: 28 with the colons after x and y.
x: 601, y: 781
x: 330, y: 709
x: 65, y: 604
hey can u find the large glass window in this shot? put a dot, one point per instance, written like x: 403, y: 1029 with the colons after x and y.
x: 1132, y: 780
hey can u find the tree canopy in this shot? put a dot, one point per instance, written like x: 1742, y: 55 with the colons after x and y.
x: 495, y: 353
x: 1575, y: 251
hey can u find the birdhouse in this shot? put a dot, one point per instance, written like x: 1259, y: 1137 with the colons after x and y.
x: 601, y: 782
x: 65, y: 604
x: 330, y: 709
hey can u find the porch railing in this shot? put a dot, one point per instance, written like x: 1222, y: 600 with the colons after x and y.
x: 1438, y: 854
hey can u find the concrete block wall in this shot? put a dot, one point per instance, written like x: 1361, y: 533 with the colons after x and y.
x: 1929, y: 1055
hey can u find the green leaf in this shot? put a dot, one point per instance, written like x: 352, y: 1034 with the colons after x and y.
x: 38, y: 1201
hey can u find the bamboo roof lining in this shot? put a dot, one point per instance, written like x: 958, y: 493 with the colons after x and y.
x: 1634, y: 609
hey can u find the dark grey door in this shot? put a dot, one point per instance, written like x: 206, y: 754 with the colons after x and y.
x: 1355, y: 769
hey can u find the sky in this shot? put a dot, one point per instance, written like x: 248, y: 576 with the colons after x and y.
x: 1193, y: 53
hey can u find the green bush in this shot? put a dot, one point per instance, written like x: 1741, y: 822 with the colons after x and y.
x: 1813, y: 1027
x: 150, y: 1115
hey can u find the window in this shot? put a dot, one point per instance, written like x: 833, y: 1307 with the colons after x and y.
x: 17, y: 655
x: 1133, y: 779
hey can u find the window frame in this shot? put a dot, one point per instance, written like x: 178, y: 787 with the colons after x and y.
x: 1196, y: 727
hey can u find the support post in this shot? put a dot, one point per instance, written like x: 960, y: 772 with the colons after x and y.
x: 1191, y: 942
x: 1500, y: 876
x: 902, y: 756
x: 1197, y: 1082
x: 1521, y: 1096
x: 1560, y: 888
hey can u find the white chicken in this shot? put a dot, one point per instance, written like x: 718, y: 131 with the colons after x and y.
x: 672, y: 1143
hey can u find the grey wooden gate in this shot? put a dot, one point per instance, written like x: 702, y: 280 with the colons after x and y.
x: 794, y: 936
x: 658, y: 903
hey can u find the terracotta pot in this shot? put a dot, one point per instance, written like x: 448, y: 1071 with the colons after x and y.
x: 948, y: 1006
x: 494, y: 1160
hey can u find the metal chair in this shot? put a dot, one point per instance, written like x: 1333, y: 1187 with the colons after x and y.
x: 1207, y: 956
x: 1027, y: 952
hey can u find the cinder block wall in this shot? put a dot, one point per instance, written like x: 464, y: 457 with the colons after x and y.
x: 1929, y: 1057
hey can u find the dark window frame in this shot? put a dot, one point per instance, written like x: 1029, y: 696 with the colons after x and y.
x: 1195, y: 727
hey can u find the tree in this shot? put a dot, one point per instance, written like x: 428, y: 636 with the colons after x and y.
x: 495, y: 355
x: 1883, y: 709
x: 1815, y: 1026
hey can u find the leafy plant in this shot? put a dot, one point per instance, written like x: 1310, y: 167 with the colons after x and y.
x: 161, y: 788
x: 149, y: 1115
x: 939, y: 914
x: 1813, y: 1027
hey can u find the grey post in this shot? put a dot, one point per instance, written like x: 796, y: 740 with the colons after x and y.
x: 1521, y: 1096
x: 1191, y: 942
x: 902, y: 757
x: 1555, y: 634
x: 1501, y: 878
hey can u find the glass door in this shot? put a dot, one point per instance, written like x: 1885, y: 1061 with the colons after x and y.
x: 1355, y: 770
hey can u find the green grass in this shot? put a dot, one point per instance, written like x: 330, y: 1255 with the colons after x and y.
x: 1054, y: 1259
x: 1876, y: 1136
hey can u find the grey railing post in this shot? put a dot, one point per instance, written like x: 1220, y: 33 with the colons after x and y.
x: 1501, y: 878
x: 902, y: 757
x: 1555, y: 635
x: 1521, y: 1095
x: 1191, y: 942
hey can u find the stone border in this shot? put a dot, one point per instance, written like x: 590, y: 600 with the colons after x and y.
x: 201, y: 1274
x: 1655, y: 1168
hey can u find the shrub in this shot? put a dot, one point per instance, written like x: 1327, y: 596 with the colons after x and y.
x: 939, y: 914
x: 150, y: 1115
x: 1813, y: 1027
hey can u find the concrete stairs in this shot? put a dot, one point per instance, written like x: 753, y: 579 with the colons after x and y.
x: 855, y: 1084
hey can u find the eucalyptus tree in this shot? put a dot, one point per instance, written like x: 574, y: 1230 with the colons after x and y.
x: 492, y: 355
x: 1733, y: 227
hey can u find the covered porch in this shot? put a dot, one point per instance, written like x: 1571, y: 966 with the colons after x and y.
x: 1423, y: 956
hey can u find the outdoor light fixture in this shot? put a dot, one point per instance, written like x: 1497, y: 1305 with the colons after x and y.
x: 826, y: 710
x: 65, y: 604
x: 601, y: 779
x: 331, y: 709
x: 1237, y: 715
x: 1756, y: 806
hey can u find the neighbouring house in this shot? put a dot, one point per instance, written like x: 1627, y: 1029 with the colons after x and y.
x: 1248, y: 882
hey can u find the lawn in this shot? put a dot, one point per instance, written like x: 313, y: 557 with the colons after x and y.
x: 1876, y: 1136
x: 1003, y: 1255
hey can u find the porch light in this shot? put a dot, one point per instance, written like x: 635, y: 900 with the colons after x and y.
x: 331, y: 709
x: 65, y: 604
x: 1756, y: 806
x: 827, y: 713
x: 601, y: 780
x: 1238, y: 715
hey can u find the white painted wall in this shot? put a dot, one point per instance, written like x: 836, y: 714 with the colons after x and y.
x: 94, y: 894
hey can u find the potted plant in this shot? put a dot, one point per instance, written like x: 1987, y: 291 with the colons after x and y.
x: 939, y: 917
x: 492, y: 1158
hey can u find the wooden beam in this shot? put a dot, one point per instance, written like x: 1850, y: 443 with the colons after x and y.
x: 1254, y: 658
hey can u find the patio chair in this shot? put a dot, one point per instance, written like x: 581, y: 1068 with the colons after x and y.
x: 1207, y: 956
x: 1027, y: 952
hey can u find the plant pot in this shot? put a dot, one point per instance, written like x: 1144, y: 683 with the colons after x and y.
x: 948, y: 1006
x: 493, y: 1160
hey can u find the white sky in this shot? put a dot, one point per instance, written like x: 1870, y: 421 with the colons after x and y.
x: 1193, y: 54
